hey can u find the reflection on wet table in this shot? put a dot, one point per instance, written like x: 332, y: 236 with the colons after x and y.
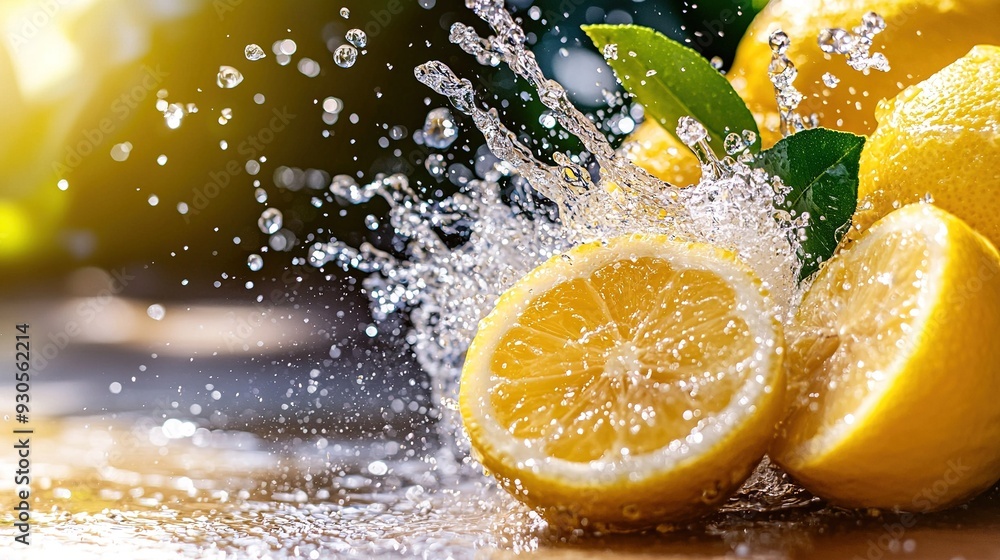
x: 141, y: 488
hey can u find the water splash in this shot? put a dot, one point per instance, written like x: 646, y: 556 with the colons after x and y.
x: 856, y: 45
x: 446, y: 290
x: 782, y: 73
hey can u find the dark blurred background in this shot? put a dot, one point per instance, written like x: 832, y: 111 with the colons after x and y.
x: 87, y: 149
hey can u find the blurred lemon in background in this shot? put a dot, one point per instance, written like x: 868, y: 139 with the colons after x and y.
x: 920, y: 38
x: 665, y: 157
x: 939, y: 140
x: 56, y: 56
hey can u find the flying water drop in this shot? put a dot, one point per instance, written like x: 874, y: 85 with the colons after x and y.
x: 345, y: 56
x: 255, y: 262
x: 440, y: 130
x: 254, y: 52
x: 228, y: 77
x: 270, y: 221
x: 435, y: 165
x: 156, y: 312
x: 357, y: 38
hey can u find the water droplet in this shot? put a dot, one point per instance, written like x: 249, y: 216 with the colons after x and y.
x: 872, y: 23
x: 856, y: 46
x: 153, y: 200
x: 270, y: 221
x: 254, y: 52
x: 255, y: 262
x: 260, y: 195
x: 173, y: 114
x: 345, y: 56
x: 156, y: 312
x: 440, y: 130
x: 836, y: 40
x: 308, y: 67
x: 345, y: 13
x: 286, y: 47
x: 610, y: 51
x: 716, y: 62
x: 378, y: 468
x: 228, y: 77
x: 63, y: 184
x: 734, y: 144
x: 333, y: 105
x: 120, y: 152
x: 435, y: 165
x: 779, y: 42
x: 547, y: 119
x: 415, y: 493
x: 830, y: 80
x: 690, y: 131
x: 357, y: 38
x: 282, y: 241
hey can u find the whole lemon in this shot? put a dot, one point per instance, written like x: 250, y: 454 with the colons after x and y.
x: 920, y: 38
x: 939, y: 140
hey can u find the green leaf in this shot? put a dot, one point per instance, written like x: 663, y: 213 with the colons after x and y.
x: 821, y: 167
x: 673, y: 81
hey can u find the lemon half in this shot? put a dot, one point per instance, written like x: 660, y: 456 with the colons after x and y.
x: 894, y: 368
x: 625, y: 383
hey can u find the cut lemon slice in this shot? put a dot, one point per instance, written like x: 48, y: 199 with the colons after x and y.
x: 894, y: 368
x: 626, y: 383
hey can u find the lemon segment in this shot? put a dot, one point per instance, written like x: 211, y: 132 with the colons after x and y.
x: 894, y: 372
x: 626, y: 383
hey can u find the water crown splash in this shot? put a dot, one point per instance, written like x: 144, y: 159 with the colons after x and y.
x: 447, y: 290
